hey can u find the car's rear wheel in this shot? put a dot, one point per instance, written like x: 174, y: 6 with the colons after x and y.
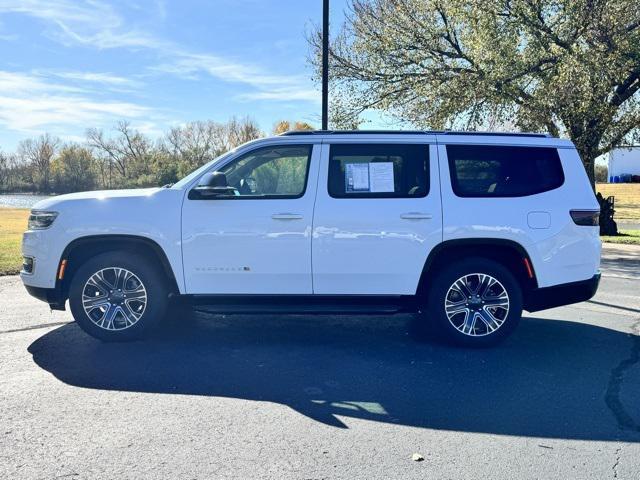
x: 118, y: 296
x: 475, y: 302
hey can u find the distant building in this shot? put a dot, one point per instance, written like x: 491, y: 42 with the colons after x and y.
x: 624, y: 164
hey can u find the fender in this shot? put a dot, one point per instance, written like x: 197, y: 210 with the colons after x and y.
x: 517, y: 258
x: 82, y: 247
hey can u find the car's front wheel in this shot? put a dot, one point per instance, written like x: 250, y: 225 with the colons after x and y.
x: 118, y: 296
x: 474, y: 302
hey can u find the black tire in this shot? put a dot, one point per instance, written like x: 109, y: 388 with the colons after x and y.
x: 148, y: 274
x: 489, y: 325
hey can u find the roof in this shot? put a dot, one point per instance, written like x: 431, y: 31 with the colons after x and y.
x: 413, y: 132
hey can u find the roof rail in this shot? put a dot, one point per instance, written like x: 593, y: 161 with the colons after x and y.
x: 499, y: 134
x: 413, y: 132
x: 358, y: 132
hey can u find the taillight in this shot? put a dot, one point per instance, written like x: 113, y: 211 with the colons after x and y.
x: 586, y: 218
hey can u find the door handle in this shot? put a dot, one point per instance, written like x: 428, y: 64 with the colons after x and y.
x: 416, y: 216
x: 286, y: 216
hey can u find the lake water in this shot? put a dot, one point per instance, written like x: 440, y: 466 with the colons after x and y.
x: 20, y: 200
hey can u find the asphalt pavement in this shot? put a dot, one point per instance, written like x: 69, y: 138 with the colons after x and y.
x: 332, y: 397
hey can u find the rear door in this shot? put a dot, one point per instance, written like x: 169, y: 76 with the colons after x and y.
x: 377, y: 216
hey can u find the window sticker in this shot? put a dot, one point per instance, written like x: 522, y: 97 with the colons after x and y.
x: 356, y: 177
x: 381, y: 177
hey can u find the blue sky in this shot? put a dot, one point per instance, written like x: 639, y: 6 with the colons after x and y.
x: 68, y: 65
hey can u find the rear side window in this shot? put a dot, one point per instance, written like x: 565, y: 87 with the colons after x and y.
x: 378, y: 171
x: 501, y: 171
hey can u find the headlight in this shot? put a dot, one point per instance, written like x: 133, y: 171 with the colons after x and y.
x: 41, y: 219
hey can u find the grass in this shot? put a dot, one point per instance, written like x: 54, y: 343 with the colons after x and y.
x: 627, y: 237
x: 13, y: 221
x: 627, y: 200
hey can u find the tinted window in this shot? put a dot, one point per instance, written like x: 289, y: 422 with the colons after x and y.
x: 496, y: 171
x: 378, y: 171
x: 270, y: 172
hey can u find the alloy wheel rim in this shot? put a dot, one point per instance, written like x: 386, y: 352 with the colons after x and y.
x: 477, y: 304
x: 114, y: 298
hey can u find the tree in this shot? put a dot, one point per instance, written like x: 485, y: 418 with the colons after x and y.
x: 566, y: 67
x: 38, y: 154
x: 239, y: 131
x: 195, y: 143
x: 129, y: 152
x: 285, y: 126
x: 4, y: 171
x: 127, y: 158
x: 74, y: 169
x: 601, y: 174
x: 16, y: 174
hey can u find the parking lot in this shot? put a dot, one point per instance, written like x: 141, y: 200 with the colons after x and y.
x: 324, y: 397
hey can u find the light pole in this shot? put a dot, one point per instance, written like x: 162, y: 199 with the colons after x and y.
x: 325, y: 64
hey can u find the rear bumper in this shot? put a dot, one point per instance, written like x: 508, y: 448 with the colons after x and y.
x: 52, y: 296
x: 564, y: 294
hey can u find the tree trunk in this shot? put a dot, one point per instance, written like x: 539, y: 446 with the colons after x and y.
x: 607, y: 223
x: 590, y: 167
x: 588, y: 156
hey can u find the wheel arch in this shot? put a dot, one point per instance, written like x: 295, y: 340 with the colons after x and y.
x: 509, y: 253
x: 83, y: 248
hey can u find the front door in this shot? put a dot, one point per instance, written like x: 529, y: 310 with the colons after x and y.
x: 378, y: 215
x: 255, y: 238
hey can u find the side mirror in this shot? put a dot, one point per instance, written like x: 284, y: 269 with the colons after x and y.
x: 214, y: 185
x: 215, y: 179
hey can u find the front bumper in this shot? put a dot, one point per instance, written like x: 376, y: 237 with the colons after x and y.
x: 564, y: 294
x: 52, y: 296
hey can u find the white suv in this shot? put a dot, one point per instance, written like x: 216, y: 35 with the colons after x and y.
x: 464, y: 229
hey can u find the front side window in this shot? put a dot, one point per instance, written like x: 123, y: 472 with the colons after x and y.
x: 378, y: 171
x: 503, y: 171
x: 268, y: 172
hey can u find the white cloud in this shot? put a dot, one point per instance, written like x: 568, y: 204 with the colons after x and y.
x: 31, y: 103
x: 98, y: 24
x: 38, y: 112
x: 97, y: 77
x: 224, y: 69
x: 63, y: 11
x: 283, y: 94
x: 266, y: 86
x: 88, y: 22
x: 21, y: 83
x: 147, y: 127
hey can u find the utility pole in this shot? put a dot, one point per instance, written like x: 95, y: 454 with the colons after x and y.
x: 325, y: 64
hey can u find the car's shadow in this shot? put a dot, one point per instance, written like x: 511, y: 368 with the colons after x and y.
x: 549, y: 380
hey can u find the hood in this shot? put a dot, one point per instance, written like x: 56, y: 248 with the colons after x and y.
x: 98, y: 196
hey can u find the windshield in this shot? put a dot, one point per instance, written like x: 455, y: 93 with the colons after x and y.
x: 201, y: 170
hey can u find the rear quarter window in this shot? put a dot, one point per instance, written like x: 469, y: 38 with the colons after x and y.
x: 503, y: 171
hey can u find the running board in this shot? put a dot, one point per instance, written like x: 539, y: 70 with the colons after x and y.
x: 303, y: 304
